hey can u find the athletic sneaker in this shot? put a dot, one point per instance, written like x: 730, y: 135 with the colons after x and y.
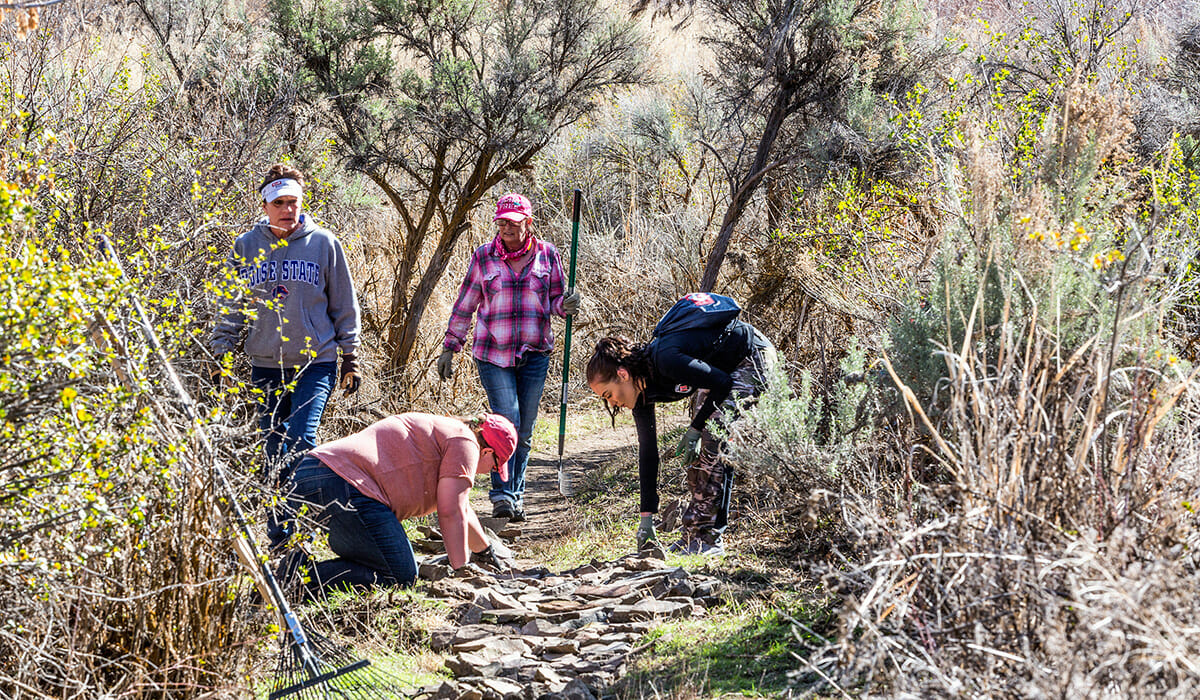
x: 696, y: 546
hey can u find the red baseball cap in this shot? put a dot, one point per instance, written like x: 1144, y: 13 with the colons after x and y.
x: 513, y: 207
x: 500, y: 435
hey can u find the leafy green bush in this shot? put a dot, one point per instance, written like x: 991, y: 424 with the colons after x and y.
x: 805, y: 443
x: 115, y: 569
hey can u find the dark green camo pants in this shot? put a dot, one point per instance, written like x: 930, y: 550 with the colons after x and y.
x: 710, y: 477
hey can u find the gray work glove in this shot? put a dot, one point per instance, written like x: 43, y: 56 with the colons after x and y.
x: 688, y: 447
x: 496, y: 558
x: 571, y: 302
x: 445, y: 364
x: 646, y: 533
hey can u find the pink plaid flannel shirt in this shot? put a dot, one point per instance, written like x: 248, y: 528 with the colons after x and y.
x: 513, y: 310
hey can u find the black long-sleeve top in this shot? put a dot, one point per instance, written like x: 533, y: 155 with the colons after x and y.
x: 681, y: 363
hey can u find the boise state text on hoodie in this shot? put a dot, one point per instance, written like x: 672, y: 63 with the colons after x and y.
x: 302, y: 293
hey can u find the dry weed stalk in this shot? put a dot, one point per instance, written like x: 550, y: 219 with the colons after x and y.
x: 129, y: 592
x: 1058, y: 567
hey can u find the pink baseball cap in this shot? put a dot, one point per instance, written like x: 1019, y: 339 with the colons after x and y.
x: 500, y: 435
x: 513, y: 207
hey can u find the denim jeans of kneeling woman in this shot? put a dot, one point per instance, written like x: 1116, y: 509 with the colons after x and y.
x: 369, y: 541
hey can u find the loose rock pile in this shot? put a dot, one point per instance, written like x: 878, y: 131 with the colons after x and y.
x: 539, y: 635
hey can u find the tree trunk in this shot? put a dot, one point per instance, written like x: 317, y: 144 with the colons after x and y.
x: 740, y: 192
x: 405, y: 321
x: 406, y: 335
x: 398, y: 308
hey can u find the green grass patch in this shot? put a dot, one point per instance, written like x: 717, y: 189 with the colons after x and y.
x: 389, y: 627
x: 600, y: 537
x: 416, y: 670
x: 579, y: 424
x: 744, y: 649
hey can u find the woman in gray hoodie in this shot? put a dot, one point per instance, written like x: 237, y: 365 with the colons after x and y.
x: 298, y: 310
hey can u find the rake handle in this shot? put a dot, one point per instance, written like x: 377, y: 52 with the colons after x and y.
x: 189, y: 408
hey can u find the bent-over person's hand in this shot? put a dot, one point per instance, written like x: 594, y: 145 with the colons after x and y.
x: 645, y: 533
x: 499, y: 559
x: 468, y: 570
x: 688, y: 447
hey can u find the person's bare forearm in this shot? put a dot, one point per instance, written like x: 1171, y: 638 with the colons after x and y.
x: 476, y: 538
x: 455, y: 536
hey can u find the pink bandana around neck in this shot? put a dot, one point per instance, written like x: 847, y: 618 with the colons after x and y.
x: 503, y: 253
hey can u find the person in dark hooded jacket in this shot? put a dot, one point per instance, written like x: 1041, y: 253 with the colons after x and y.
x: 723, y: 367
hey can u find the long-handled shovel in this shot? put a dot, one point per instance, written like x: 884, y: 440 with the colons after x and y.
x: 563, y: 487
x: 305, y: 669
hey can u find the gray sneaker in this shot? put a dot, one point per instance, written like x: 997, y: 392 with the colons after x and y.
x: 696, y: 546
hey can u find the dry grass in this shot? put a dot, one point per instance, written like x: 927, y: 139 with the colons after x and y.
x: 1061, y: 563
x: 137, y: 593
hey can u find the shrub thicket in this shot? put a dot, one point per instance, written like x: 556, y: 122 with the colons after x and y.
x: 1021, y: 524
x: 115, y: 572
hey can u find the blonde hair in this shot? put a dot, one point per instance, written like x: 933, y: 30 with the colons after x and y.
x: 475, y: 423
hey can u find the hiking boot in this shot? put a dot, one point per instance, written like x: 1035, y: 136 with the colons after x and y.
x: 504, y: 509
x: 696, y: 545
x: 518, y: 515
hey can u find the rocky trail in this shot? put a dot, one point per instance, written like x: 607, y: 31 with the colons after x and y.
x: 538, y: 634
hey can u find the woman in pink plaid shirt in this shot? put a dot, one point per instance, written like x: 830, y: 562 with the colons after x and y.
x: 514, y: 284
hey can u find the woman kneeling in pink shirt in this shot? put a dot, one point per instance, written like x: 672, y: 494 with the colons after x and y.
x: 361, y: 487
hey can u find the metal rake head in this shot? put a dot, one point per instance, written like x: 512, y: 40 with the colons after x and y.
x: 328, y: 671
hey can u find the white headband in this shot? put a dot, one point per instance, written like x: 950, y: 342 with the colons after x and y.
x: 283, y: 187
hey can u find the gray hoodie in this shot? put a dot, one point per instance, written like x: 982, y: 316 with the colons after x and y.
x: 301, y: 292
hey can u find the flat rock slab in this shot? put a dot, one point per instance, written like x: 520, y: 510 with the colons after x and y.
x: 651, y: 608
x: 517, y: 615
x: 613, y: 590
x: 555, y: 636
x: 556, y: 645
x: 543, y: 628
x: 493, y: 647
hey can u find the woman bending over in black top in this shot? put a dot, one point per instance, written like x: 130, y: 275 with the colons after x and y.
x: 720, y: 365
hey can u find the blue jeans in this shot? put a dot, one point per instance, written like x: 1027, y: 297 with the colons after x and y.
x: 515, y: 392
x: 289, y: 419
x: 370, y: 542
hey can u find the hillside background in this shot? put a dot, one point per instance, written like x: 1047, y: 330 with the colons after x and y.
x: 970, y: 229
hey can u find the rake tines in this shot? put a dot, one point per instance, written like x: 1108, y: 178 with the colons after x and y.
x: 323, y: 669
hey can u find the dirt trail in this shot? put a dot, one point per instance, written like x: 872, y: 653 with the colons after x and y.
x: 544, y: 506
